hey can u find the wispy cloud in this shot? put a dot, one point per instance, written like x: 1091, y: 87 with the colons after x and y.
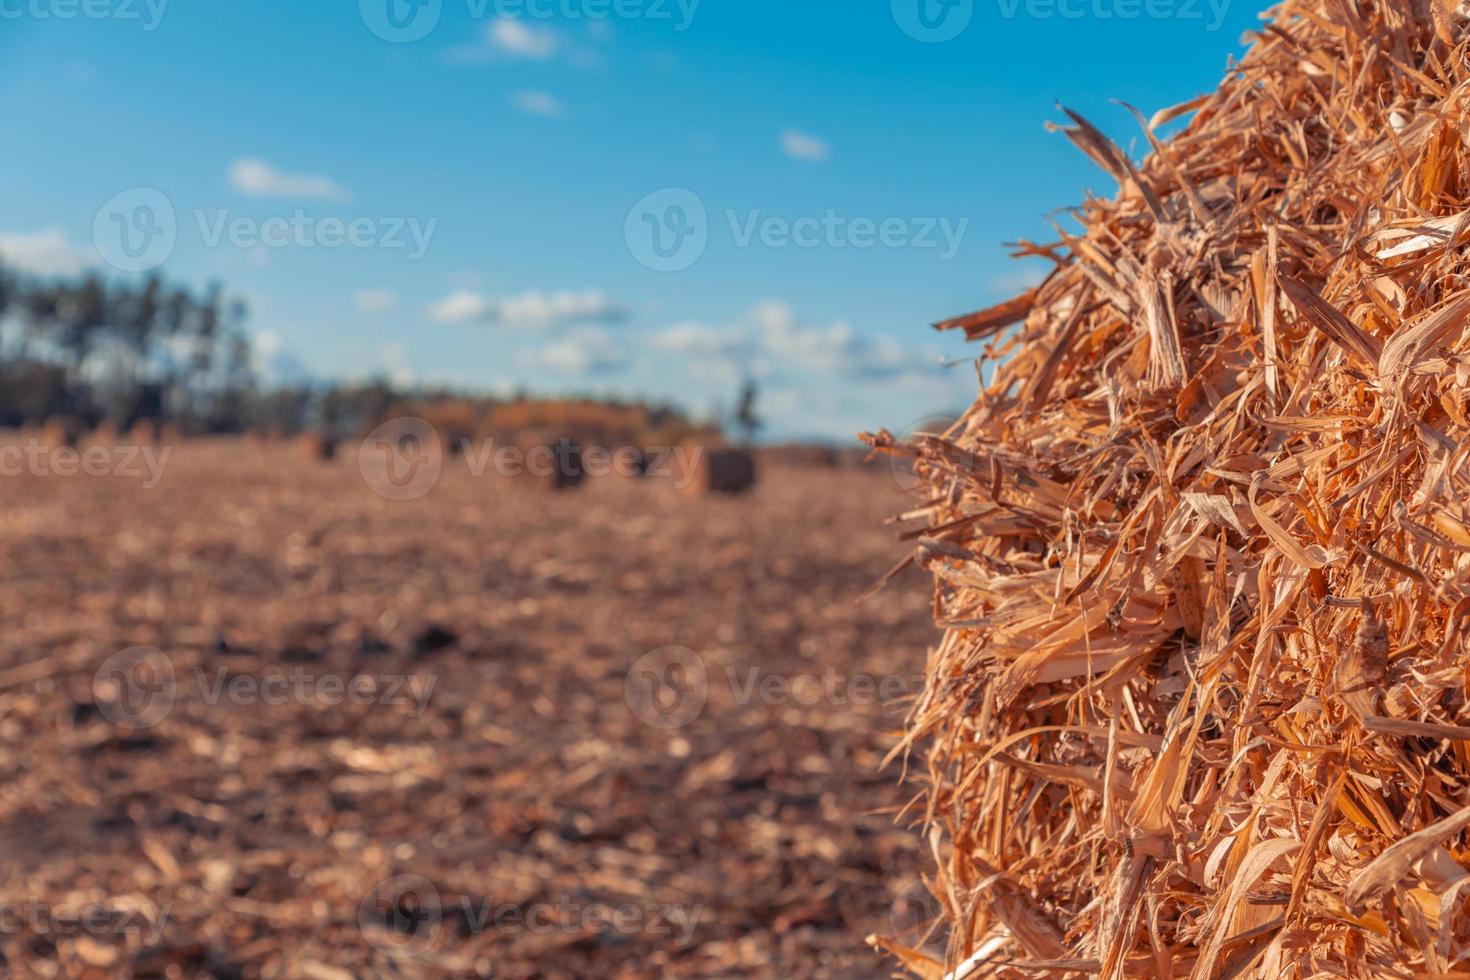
x: 770, y: 337
x: 531, y: 309
x: 394, y: 362
x: 591, y: 350
x: 519, y: 39
x: 537, y: 103
x: 375, y: 300
x: 256, y: 178
x: 43, y: 253
x: 461, y: 306
x: 804, y: 146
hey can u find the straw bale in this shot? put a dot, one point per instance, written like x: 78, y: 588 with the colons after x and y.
x: 1201, y: 547
x: 61, y: 432
x: 719, y: 470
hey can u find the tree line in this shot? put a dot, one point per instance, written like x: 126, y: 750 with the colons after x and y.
x: 96, y: 351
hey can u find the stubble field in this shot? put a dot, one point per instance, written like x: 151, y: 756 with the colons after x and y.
x: 259, y: 721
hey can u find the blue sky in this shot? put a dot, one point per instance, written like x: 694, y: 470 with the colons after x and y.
x: 855, y: 183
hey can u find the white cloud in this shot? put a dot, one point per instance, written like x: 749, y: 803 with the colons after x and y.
x: 43, y: 253
x: 256, y: 178
x: 393, y: 362
x: 1018, y: 279
x: 460, y: 306
x: 804, y: 146
x: 590, y: 350
x: 268, y: 343
x: 771, y: 337
x: 701, y: 340
x: 537, y: 103
x: 277, y: 364
x: 375, y: 300
x: 521, y: 40
x: 531, y: 309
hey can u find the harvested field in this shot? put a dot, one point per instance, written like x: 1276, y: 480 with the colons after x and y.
x: 242, y: 819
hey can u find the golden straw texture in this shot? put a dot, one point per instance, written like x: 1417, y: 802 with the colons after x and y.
x: 1200, y: 546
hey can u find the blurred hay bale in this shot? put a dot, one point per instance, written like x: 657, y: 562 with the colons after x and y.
x: 61, y: 432
x: 550, y: 461
x: 1201, y: 544
x: 145, y: 432
x: 316, y: 446
x: 717, y: 470
x: 264, y: 436
x: 457, y: 423
x: 105, y: 434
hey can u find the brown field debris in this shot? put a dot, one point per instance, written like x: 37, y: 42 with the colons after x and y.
x: 1202, y: 547
x: 235, y: 834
